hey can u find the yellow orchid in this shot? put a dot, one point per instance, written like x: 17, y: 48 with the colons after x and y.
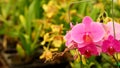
x: 47, y: 54
x: 50, y: 9
x: 64, y: 16
x: 57, y: 28
x: 46, y: 38
x: 63, y: 3
x: 58, y: 41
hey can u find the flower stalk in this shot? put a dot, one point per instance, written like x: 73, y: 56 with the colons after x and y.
x: 114, y: 33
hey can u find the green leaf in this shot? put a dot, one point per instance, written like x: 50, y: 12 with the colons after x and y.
x: 36, y: 38
x: 94, y: 13
x: 25, y: 43
x: 82, y: 8
x: 32, y: 14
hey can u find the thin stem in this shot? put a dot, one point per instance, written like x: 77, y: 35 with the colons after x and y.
x: 114, y: 29
x: 115, y: 61
x: 81, y: 61
x: 113, y: 20
x: 114, y: 58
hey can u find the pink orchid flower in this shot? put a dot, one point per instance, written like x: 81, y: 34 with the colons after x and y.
x: 89, y: 50
x: 109, y: 29
x: 87, y: 31
x: 111, y: 45
x: 69, y: 42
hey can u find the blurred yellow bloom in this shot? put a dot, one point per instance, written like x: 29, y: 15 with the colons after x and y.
x: 46, y: 38
x: 58, y: 40
x: 47, y: 55
x: 46, y: 25
x: 63, y: 3
x: 108, y: 19
x: 118, y: 1
x: 99, y: 6
x: 83, y: 59
x: 105, y: 20
x: 53, y: 49
x: 117, y: 20
x: 45, y: 22
x: 57, y: 28
x: 50, y: 9
x: 78, y: 59
x: 65, y: 15
x: 116, y: 57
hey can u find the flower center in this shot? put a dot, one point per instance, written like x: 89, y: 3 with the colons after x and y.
x: 87, y: 53
x: 111, y: 50
x: 87, y: 39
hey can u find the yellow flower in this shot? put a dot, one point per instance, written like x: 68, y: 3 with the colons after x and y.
x: 65, y: 15
x: 117, y: 20
x: 46, y: 38
x: 50, y: 9
x: 46, y: 25
x: 57, y: 28
x: 47, y: 55
x: 99, y: 6
x: 58, y: 40
x: 63, y: 3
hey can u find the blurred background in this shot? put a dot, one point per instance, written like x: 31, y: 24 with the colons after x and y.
x: 32, y: 31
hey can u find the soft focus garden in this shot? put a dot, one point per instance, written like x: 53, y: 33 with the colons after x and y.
x: 59, y: 33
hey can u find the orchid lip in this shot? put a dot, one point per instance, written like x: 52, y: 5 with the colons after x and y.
x: 111, y: 50
x: 87, y: 38
x: 87, y: 53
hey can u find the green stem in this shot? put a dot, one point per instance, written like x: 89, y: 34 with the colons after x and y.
x: 114, y: 32
x: 115, y: 61
x: 81, y: 61
x: 113, y: 20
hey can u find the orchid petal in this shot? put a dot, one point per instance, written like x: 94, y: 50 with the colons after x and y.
x: 117, y: 29
x: 68, y: 38
x: 91, y: 48
x: 111, y: 45
x: 87, y: 20
x: 97, y: 32
x: 78, y: 32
